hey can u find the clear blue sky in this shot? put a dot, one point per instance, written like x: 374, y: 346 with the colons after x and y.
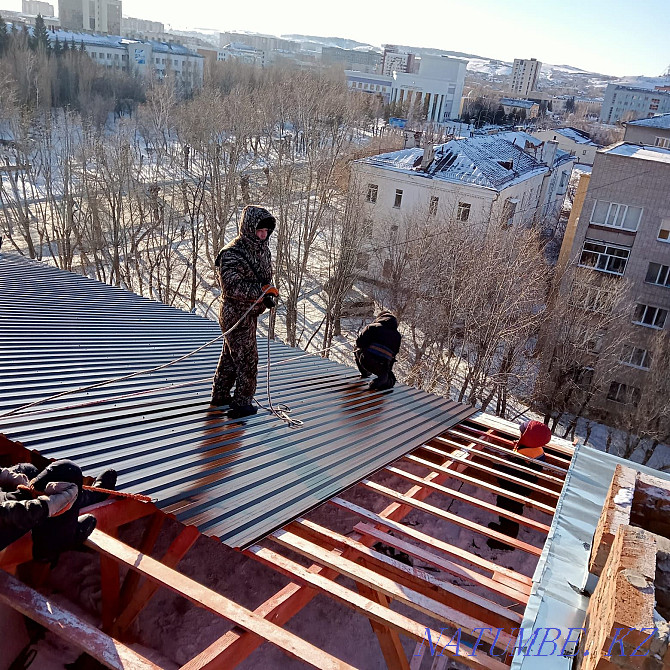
x: 608, y: 36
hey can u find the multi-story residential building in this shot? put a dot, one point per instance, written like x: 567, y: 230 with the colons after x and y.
x: 393, y: 60
x: 572, y: 140
x: 509, y: 178
x: 351, y: 59
x: 654, y: 131
x: 525, y: 74
x: 144, y: 57
x: 265, y: 43
x: 101, y: 16
x: 242, y: 53
x: 37, y: 7
x: 19, y: 19
x: 620, y: 227
x: 627, y: 103
x: 132, y: 26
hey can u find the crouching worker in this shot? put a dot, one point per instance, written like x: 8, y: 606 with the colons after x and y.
x: 376, y: 349
x: 48, y: 503
x: 535, y: 435
x: 244, y: 270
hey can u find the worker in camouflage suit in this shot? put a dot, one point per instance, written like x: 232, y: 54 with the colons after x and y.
x: 244, y: 269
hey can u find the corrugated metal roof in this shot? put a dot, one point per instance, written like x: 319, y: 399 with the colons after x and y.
x: 237, y: 480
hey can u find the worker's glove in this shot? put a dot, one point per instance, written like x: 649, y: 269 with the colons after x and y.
x: 10, y: 480
x: 271, y: 293
x: 60, y: 496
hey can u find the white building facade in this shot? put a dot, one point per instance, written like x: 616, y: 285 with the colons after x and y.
x: 478, y: 180
x: 575, y: 142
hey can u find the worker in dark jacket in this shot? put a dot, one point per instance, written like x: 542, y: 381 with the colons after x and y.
x: 244, y: 269
x: 48, y: 503
x: 376, y: 349
x: 535, y: 435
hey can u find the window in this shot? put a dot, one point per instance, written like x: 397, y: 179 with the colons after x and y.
x: 432, y: 207
x: 623, y: 393
x: 564, y: 180
x: 615, y: 215
x: 663, y: 142
x: 604, y: 257
x: 658, y: 274
x: 652, y: 317
x: 109, y: 56
x: 509, y: 210
x: 398, y: 198
x: 362, y: 260
x: 584, y: 152
x: 463, y: 213
x: 664, y: 232
x: 373, y: 190
x: 636, y: 357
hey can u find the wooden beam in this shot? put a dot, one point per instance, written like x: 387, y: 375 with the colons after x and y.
x: 503, y: 460
x: 389, y: 641
x: 475, y: 502
x: 213, y: 602
x: 481, y: 484
x: 505, y: 451
x: 419, y: 580
x: 384, y: 585
x: 452, y: 518
x: 516, y: 591
x: 175, y: 552
x: 495, y: 473
x: 370, y: 609
x: 132, y: 579
x: 69, y: 627
x: 430, y: 541
x: 110, y: 582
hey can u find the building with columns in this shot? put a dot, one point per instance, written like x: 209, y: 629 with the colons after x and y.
x: 432, y: 94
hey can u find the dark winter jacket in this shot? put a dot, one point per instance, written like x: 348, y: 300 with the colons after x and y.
x: 18, y: 516
x: 381, y: 337
x: 244, y: 265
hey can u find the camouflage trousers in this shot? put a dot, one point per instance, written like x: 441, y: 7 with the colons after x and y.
x: 238, y: 364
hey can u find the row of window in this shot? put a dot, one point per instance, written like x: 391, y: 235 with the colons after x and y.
x: 612, y: 258
x: 625, y: 217
x: 462, y: 212
x: 368, y: 87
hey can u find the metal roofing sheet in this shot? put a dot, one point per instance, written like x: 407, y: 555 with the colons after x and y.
x: 237, y: 480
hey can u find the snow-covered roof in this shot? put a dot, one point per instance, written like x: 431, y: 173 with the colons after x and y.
x: 533, y: 145
x: 491, y: 161
x: 575, y: 135
x: 642, y: 152
x: 512, y: 102
x: 116, y: 42
x: 658, y: 121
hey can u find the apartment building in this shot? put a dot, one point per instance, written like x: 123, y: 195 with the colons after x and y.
x: 394, y: 60
x: 525, y: 74
x: 620, y: 227
x: 36, y: 7
x: 100, y: 16
x: 628, y: 103
x: 351, y: 59
x: 509, y: 178
x: 265, y: 43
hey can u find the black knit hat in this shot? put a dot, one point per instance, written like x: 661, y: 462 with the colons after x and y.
x: 268, y: 222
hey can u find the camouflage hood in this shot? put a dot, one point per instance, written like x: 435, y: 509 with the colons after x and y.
x: 251, y: 217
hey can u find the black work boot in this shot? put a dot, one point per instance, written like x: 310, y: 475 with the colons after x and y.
x: 239, y: 411
x: 220, y: 399
x: 85, y: 526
